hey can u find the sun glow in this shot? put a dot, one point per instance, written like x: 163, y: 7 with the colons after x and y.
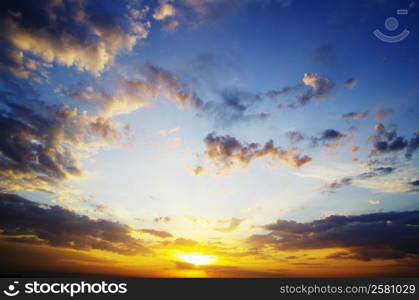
x: 197, y: 259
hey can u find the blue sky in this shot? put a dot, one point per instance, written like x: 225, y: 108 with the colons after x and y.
x: 137, y: 111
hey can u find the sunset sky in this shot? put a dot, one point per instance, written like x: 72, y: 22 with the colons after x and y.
x: 208, y: 138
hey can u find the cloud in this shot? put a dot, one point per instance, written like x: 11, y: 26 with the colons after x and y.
x: 70, y: 33
x: 169, y: 131
x: 29, y: 222
x: 42, y: 144
x: 355, y: 115
x: 157, y: 233
x: 198, y: 170
x: 235, y: 105
x: 350, y: 83
x: 331, y: 135
x: 355, y: 149
x: 234, y: 223
x: 163, y: 220
x: 413, y: 146
x: 133, y: 93
x: 226, y: 153
x: 164, y: 11
x: 374, y: 202
x: 337, y: 184
x: 209, y: 11
x: 349, y: 180
x: 383, y: 114
x: 388, y: 141
x: 295, y: 137
x: 286, y: 91
x: 389, y: 235
x: 320, y: 88
x: 313, y: 86
x: 414, y: 183
x: 329, y: 138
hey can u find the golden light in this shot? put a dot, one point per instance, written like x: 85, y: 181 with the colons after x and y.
x: 197, y: 259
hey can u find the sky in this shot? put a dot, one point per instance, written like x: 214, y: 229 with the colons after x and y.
x: 209, y: 138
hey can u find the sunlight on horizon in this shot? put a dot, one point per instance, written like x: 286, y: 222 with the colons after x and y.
x: 197, y: 259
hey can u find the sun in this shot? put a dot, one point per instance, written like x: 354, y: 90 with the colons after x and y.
x: 197, y: 259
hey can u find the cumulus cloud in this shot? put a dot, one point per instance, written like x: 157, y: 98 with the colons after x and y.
x: 320, y: 88
x: 165, y: 10
x: 226, y: 153
x: 42, y: 144
x: 22, y: 220
x: 389, y: 235
x: 386, y: 140
x: 313, y: 86
x: 69, y: 33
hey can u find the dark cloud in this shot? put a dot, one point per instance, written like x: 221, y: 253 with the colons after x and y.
x: 413, y: 146
x: 328, y: 138
x: 29, y: 222
x: 350, y: 83
x: 39, y: 143
x: 414, y: 183
x: 381, y: 171
x: 325, y: 55
x: 226, y: 152
x: 355, y: 115
x: 387, y: 141
x: 331, y: 135
x: 370, y: 236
